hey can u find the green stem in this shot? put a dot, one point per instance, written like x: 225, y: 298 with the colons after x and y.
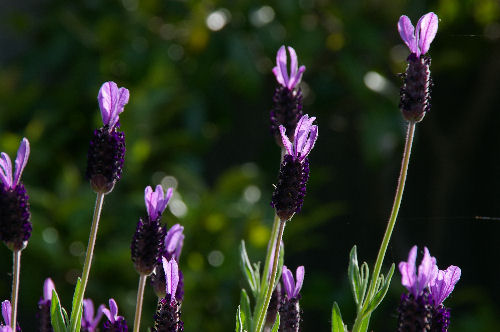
x: 138, y: 306
x: 269, y: 292
x: 88, y: 257
x: 16, y: 269
x: 390, y: 227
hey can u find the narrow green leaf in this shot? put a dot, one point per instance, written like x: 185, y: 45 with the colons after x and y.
x: 382, y: 291
x: 239, y: 323
x: 276, y: 324
x: 245, y: 309
x: 56, y: 314
x: 337, y: 324
x: 76, y: 315
x: 247, y: 269
x: 355, y: 277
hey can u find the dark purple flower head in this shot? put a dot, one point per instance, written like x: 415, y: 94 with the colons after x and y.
x: 112, y: 101
x: 156, y: 201
x: 115, y: 323
x: 292, y: 289
x: 418, y: 40
x: 174, y: 240
x: 89, y: 321
x: 107, y: 147
x: 281, y: 69
x: 15, y: 227
x: 290, y: 190
x: 305, y: 136
x: 44, y: 322
x: 9, y: 182
x: 427, y: 272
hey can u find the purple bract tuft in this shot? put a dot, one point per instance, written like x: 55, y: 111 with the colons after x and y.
x: 281, y: 70
x: 112, y: 101
x: 15, y: 225
x: 89, y: 321
x: 292, y: 289
x: 114, y: 323
x: 44, y: 321
x: 156, y: 201
x: 418, y: 40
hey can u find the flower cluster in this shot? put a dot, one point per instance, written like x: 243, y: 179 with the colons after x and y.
x: 421, y: 309
x: 287, y: 100
x: 290, y: 190
x: 417, y: 82
x: 15, y: 225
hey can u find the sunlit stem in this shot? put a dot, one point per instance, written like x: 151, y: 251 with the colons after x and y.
x: 361, y: 325
x: 138, y: 306
x: 274, y: 270
x: 88, y: 257
x: 16, y: 269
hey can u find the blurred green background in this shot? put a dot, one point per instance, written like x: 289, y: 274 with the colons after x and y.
x: 200, y: 81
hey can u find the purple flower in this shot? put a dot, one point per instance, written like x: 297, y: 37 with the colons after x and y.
x: 6, y: 312
x: 305, y: 136
x: 156, y: 202
x: 107, y: 147
x: 115, y: 322
x: 15, y: 227
x: 89, y: 321
x: 289, y: 193
x: 171, y: 276
x: 44, y: 322
x: 418, y: 40
x: 292, y: 289
x: 281, y: 70
x: 444, y: 284
x: 427, y: 272
x: 112, y: 101
x: 9, y: 182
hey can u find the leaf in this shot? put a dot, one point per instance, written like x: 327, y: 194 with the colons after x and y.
x: 239, y: 323
x: 383, y: 287
x: 245, y: 309
x: 76, y: 314
x: 337, y: 324
x: 358, y: 278
x: 248, y: 271
x: 276, y: 324
x: 56, y: 314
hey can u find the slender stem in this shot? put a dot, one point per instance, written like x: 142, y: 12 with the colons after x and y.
x: 88, y: 256
x: 270, y: 247
x: 263, y: 311
x: 16, y: 269
x: 390, y: 225
x: 138, y: 306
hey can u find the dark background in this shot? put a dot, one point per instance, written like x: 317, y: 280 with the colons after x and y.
x: 198, y: 118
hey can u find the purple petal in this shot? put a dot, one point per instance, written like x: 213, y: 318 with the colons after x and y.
x: 22, y: 158
x: 48, y: 287
x: 148, y: 197
x: 6, y: 311
x: 293, y: 65
x: 407, y: 269
x: 311, y: 140
x: 427, y: 28
x: 112, y: 312
x: 302, y: 134
x: 174, y: 240
x: 277, y: 70
x: 407, y: 33
x: 299, y: 274
x: 107, y: 98
x: 277, y: 74
x: 445, y: 283
x: 88, y: 311
x: 288, y: 282
x: 286, y: 141
x: 281, y: 62
x: 163, y: 200
x: 295, y: 80
x: 427, y: 272
x: 6, y: 170
x: 171, y: 276
x: 5, y: 328
x: 97, y: 319
x: 123, y: 96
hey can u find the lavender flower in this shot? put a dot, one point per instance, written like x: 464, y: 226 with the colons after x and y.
x: 172, y: 248
x: 15, y: 225
x: 415, y: 93
x: 107, y: 147
x: 44, y: 322
x: 422, y: 308
x: 289, y: 193
x: 148, y: 238
x: 287, y: 100
x: 114, y: 323
x: 289, y: 308
x: 168, y: 314
x: 89, y: 321
x: 7, y: 314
